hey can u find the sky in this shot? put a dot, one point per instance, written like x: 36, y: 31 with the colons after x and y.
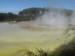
x: 16, y: 5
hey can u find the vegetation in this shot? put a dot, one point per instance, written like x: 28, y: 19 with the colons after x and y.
x: 7, y: 16
x: 39, y: 52
x: 28, y: 14
x: 32, y: 13
x: 24, y: 15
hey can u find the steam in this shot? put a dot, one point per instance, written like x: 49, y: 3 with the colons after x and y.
x: 55, y: 19
x: 73, y: 19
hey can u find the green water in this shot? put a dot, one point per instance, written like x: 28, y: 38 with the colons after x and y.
x: 13, y: 36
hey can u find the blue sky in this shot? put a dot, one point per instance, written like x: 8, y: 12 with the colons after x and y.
x: 17, y: 5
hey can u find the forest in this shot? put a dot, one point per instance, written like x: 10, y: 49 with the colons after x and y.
x: 29, y: 14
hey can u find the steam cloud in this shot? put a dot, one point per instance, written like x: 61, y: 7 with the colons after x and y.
x: 55, y: 19
x: 52, y: 19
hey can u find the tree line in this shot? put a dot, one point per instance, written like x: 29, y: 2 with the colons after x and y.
x: 27, y: 14
x: 7, y: 16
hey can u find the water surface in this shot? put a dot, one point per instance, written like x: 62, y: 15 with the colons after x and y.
x: 15, y: 36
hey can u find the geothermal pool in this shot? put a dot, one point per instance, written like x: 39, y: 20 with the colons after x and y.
x: 15, y: 36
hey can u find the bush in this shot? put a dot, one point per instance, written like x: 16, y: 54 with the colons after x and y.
x: 38, y: 52
x: 65, y: 49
